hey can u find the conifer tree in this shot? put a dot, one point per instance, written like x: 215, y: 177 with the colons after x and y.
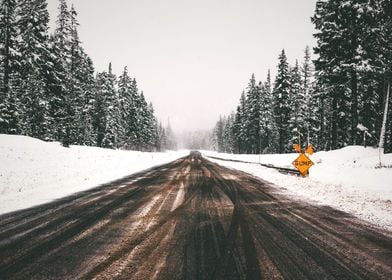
x: 147, y: 124
x: 85, y: 102
x: 267, y: 124
x: 310, y: 98
x: 219, y: 134
x: 171, y: 143
x: 34, y: 51
x: 228, y: 134
x: 110, y: 99
x: 152, y: 127
x: 9, y: 63
x: 282, y: 109
x: 133, y: 119
x: 61, y: 109
x: 239, y: 130
x: 252, y: 120
x: 297, y: 105
x: 125, y: 103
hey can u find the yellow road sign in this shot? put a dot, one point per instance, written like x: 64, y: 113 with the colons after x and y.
x: 302, y: 163
x: 297, y: 148
x: 309, y: 150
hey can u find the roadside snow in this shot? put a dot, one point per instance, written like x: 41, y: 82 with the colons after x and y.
x: 346, y: 179
x: 33, y: 172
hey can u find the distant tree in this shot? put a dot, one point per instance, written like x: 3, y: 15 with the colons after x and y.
x: 239, y: 129
x: 267, y: 122
x: 252, y: 119
x: 228, y: 136
x: 134, y: 119
x: 110, y: 138
x: 219, y: 134
x: 85, y: 102
x: 311, y: 120
x: 125, y: 103
x: 170, y: 138
x: 297, y: 103
x: 282, y: 108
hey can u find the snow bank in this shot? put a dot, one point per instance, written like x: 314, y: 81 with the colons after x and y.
x: 347, y: 179
x: 33, y: 172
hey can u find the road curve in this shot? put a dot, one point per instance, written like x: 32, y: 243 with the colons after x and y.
x: 190, y: 219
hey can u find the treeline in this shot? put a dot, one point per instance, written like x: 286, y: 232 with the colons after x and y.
x: 49, y: 89
x: 196, y: 140
x: 334, y: 101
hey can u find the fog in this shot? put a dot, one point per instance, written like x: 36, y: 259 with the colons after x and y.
x: 192, y: 59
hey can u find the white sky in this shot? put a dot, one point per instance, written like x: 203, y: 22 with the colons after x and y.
x: 192, y: 58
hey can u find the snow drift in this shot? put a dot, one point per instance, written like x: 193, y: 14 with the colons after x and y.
x: 33, y: 172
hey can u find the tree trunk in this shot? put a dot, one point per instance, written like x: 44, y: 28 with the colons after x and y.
x: 334, y: 122
x: 6, y: 65
x: 321, y: 141
x: 354, y: 106
x: 384, y: 120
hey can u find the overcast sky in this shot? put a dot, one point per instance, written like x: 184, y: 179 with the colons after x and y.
x: 192, y: 58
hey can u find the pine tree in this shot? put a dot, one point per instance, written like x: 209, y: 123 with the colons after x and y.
x: 125, y: 103
x: 161, y: 142
x: 152, y: 127
x: 171, y: 143
x: 229, y: 141
x: 267, y: 123
x: 109, y: 139
x: 252, y: 119
x: 297, y: 103
x: 146, y: 121
x: 239, y: 129
x: 9, y: 63
x: 311, y: 121
x: 85, y: 102
x: 133, y: 119
x: 56, y: 92
x: 282, y: 108
x: 219, y: 134
x: 61, y: 103
x: 74, y: 66
x: 34, y: 51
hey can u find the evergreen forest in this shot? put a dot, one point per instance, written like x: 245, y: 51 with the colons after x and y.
x: 50, y: 90
x: 334, y: 97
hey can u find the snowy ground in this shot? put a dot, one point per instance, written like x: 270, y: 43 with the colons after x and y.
x: 346, y: 179
x: 33, y: 172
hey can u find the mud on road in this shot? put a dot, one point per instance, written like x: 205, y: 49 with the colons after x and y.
x: 190, y: 219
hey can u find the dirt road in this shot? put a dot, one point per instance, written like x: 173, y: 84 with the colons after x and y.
x: 190, y: 219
